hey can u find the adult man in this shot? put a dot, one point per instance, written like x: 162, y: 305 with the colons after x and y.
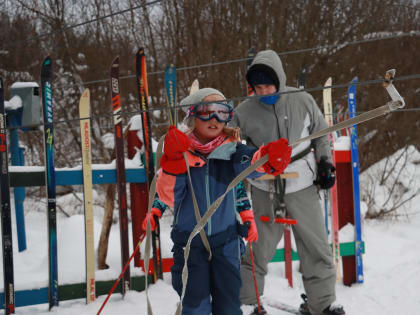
x: 290, y: 115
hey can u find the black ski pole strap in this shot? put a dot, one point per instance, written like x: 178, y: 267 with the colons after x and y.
x: 301, y: 154
x: 280, y: 188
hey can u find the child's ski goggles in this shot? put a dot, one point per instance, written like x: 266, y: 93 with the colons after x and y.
x: 223, y: 112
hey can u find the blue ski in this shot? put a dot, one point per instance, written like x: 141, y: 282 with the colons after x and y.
x: 47, y: 107
x: 170, y: 87
x: 356, y: 188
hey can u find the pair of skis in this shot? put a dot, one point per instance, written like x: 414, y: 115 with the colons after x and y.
x: 142, y: 87
x: 47, y: 105
x: 355, y: 174
x: 143, y: 95
x: 84, y: 110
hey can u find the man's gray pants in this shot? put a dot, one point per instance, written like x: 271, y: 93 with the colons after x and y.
x: 318, y: 270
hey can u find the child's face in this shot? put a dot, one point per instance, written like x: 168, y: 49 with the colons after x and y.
x: 206, y: 131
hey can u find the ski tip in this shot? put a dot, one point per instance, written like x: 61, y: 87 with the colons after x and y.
x: 169, y: 69
x: 86, y: 93
x: 47, y: 61
x: 140, y: 51
x: 194, y: 87
x: 116, y: 61
x: 328, y: 82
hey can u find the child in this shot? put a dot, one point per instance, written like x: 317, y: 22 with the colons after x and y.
x: 215, y: 159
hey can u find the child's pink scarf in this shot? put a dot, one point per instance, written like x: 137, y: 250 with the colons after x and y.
x: 208, y: 147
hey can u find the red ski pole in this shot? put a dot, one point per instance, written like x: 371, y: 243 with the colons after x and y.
x: 253, y: 272
x: 255, y: 277
x: 122, y: 273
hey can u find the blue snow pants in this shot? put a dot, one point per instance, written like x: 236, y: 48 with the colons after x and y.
x: 213, y: 286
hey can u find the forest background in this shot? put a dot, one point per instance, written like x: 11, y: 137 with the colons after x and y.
x: 209, y: 40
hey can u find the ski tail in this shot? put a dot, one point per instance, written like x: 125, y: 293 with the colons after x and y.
x: 47, y: 105
x: 120, y: 168
x: 143, y: 94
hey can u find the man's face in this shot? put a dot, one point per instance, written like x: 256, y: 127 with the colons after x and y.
x: 265, y: 89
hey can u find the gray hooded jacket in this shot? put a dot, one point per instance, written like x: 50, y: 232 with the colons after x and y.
x: 293, y: 116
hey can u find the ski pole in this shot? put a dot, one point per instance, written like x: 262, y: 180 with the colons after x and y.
x: 253, y: 271
x: 255, y: 277
x: 122, y: 273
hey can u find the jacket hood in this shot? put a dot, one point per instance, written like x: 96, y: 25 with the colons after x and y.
x: 268, y: 60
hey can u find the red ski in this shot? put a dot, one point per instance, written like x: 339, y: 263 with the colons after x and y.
x: 120, y: 166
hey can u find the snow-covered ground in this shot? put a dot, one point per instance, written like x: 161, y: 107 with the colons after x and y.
x: 391, y: 262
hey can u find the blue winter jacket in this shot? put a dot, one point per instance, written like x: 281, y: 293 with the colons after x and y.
x: 210, y: 178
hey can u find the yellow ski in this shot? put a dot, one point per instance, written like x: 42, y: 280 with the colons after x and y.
x: 84, y: 114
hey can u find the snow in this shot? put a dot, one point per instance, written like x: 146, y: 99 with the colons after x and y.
x: 14, y: 103
x: 393, y: 182
x: 26, y: 168
x: 391, y: 262
x: 109, y: 140
x: 342, y: 143
x: 157, y: 113
x: 346, y: 233
x: 20, y: 85
x: 136, y: 124
x: 135, y: 162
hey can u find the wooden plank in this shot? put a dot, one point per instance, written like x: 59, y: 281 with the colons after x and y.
x: 72, y: 177
x: 284, y: 175
x: 346, y: 250
x: 72, y: 291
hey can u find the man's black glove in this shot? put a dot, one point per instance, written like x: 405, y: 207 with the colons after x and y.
x: 325, y: 175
